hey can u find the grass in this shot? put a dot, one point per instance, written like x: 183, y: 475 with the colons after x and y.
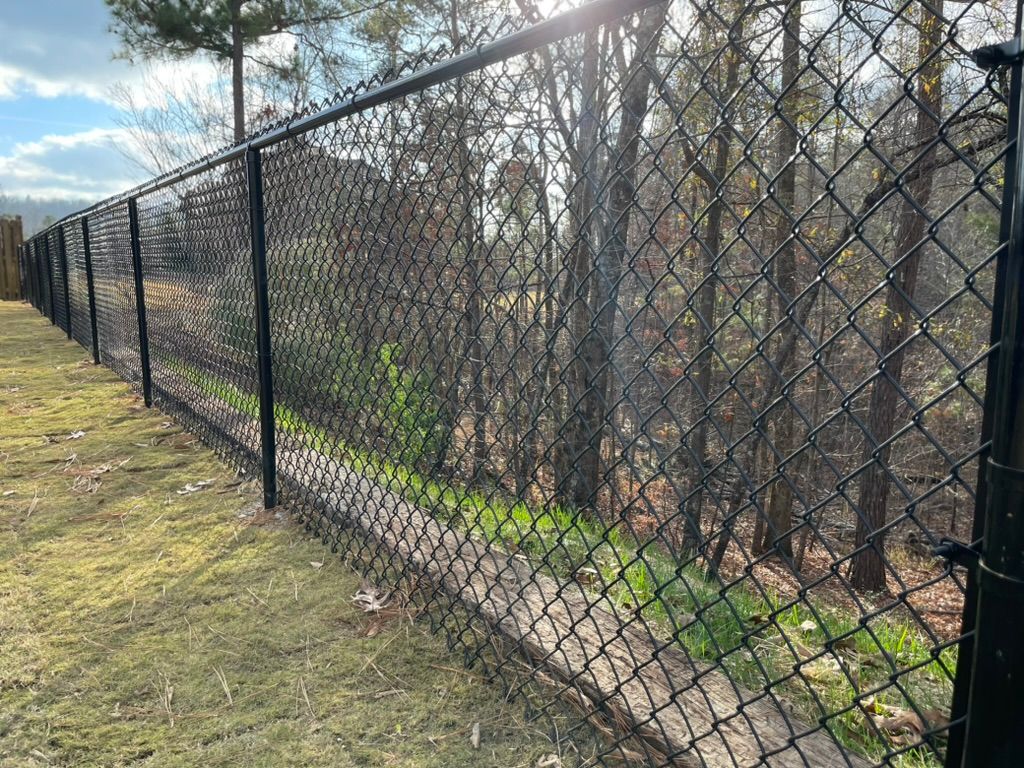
x: 146, y: 627
x: 886, y: 663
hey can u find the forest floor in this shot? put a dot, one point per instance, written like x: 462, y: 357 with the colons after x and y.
x: 152, y: 614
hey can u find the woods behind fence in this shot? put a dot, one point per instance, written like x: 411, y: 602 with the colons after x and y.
x: 652, y: 340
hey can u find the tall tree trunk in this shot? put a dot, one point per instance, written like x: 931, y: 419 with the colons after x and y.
x: 595, y: 348
x: 468, y: 232
x: 709, y: 249
x: 578, y: 264
x: 780, y: 504
x: 868, y: 565
x: 237, y: 71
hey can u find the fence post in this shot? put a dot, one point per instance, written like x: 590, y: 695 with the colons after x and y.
x: 988, y: 692
x: 23, y: 255
x: 42, y: 272
x: 49, y: 276
x: 62, y: 245
x: 140, y: 301
x: 33, y: 263
x: 258, y: 239
x: 30, y: 272
x: 37, y: 288
x: 87, y: 251
x: 23, y: 272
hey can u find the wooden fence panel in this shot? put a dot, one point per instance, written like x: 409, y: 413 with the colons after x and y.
x: 10, y: 272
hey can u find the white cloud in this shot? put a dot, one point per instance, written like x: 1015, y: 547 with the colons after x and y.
x: 62, y: 49
x: 175, y: 76
x: 55, y: 48
x: 88, y: 164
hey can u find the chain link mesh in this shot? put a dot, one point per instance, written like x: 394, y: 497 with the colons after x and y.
x: 42, y: 273
x: 113, y: 283
x: 78, y: 292
x: 199, y: 306
x: 653, y: 357
x: 53, y: 250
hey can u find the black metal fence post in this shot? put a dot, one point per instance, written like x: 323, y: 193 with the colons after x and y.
x: 87, y: 252
x: 30, y: 275
x: 37, y: 275
x: 991, y: 686
x: 140, y: 301
x: 62, y: 246
x: 254, y: 181
x: 37, y: 267
x: 23, y: 274
x: 49, y: 277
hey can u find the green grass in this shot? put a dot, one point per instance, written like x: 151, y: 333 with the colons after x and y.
x: 143, y: 627
x: 750, y: 633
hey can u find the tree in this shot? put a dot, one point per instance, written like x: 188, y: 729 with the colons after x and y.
x: 868, y: 566
x: 776, y: 535
x: 225, y: 30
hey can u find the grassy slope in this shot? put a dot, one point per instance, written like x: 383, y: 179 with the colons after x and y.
x: 122, y: 608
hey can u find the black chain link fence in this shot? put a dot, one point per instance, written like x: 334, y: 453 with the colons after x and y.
x: 648, y: 345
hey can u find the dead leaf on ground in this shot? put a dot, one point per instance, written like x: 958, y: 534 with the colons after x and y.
x: 195, y: 487
x: 85, y: 484
x: 262, y: 517
x: 549, y: 761
x: 78, y: 433
x: 179, y: 441
x: 904, y: 727
x: 96, y: 471
x: 821, y: 670
x: 317, y: 565
x: 371, y: 599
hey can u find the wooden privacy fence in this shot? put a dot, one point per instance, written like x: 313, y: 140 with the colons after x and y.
x: 10, y: 272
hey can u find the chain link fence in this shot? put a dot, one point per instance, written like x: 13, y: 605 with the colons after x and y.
x: 651, y: 346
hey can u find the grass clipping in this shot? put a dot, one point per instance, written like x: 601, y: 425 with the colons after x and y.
x: 152, y: 614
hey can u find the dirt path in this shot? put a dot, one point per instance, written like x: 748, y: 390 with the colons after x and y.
x: 151, y: 615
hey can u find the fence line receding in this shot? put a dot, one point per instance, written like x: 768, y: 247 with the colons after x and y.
x: 662, y: 346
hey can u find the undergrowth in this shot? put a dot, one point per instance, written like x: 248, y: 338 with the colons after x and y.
x: 828, y: 664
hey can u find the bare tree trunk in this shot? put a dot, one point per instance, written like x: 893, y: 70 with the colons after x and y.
x: 237, y: 71
x: 706, y: 309
x: 565, y: 454
x: 868, y: 565
x: 780, y: 505
x: 468, y: 233
x: 595, y: 349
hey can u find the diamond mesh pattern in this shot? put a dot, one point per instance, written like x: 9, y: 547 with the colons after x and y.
x: 81, y: 330
x: 197, y: 266
x: 42, y: 275
x: 654, y: 358
x: 113, y: 279
x: 59, y: 287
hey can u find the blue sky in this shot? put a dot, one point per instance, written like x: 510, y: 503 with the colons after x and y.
x: 59, y: 135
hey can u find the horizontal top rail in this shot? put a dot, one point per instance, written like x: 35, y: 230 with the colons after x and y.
x: 591, y: 14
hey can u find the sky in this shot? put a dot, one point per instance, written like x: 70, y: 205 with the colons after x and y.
x: 59, y: 137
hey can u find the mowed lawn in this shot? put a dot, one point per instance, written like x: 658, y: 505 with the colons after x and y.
x: 151, y: 615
